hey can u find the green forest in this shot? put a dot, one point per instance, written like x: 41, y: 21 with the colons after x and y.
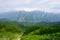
x: 29, y: 31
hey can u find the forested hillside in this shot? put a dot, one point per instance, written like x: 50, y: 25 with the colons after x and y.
x: 51, y: 32
x: 29, y: 31
x: 9, y: 31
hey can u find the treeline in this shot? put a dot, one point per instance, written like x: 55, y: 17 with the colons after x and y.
x: 30, y: 31
x: 42, y: 32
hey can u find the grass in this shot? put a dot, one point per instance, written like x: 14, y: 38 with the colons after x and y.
x: 55, y: 36
x: 31, y: 32
x: 9, y: 36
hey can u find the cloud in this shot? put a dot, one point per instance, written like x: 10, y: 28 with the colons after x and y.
x: 28, y: 5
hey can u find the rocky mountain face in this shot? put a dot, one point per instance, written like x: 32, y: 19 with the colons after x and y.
x: 33, y: 16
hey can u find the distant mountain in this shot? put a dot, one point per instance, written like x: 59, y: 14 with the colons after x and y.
x: 33, y: 16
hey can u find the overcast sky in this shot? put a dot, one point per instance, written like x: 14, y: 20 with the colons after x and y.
x: 29, y: 5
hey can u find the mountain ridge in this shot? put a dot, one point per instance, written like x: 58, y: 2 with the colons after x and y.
x: 33, y: 16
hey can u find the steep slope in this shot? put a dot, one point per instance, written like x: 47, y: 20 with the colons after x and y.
x: 33, y: 16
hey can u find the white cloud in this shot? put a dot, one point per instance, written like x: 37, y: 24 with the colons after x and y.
x: 29, y: 5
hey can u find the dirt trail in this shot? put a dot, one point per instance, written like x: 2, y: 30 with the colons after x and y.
x: 19, y: 37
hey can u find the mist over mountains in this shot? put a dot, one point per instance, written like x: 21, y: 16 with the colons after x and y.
x: 33, y: 16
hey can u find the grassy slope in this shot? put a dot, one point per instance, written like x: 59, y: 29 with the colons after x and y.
x: 9, y: 31
x: 12, y: 31
x: 42, y: 37
x: 42, y: 33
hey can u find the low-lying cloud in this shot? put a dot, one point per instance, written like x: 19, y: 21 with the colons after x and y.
x: 29, y: 5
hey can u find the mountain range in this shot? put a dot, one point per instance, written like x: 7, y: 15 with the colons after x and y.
x: 33, y: 16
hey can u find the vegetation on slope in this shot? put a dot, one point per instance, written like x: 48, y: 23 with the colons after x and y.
x: 29, y: 31
x: 9, y: 31
x: 50, y: 32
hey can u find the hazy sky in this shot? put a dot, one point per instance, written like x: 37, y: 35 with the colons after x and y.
x: 28, y: 5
